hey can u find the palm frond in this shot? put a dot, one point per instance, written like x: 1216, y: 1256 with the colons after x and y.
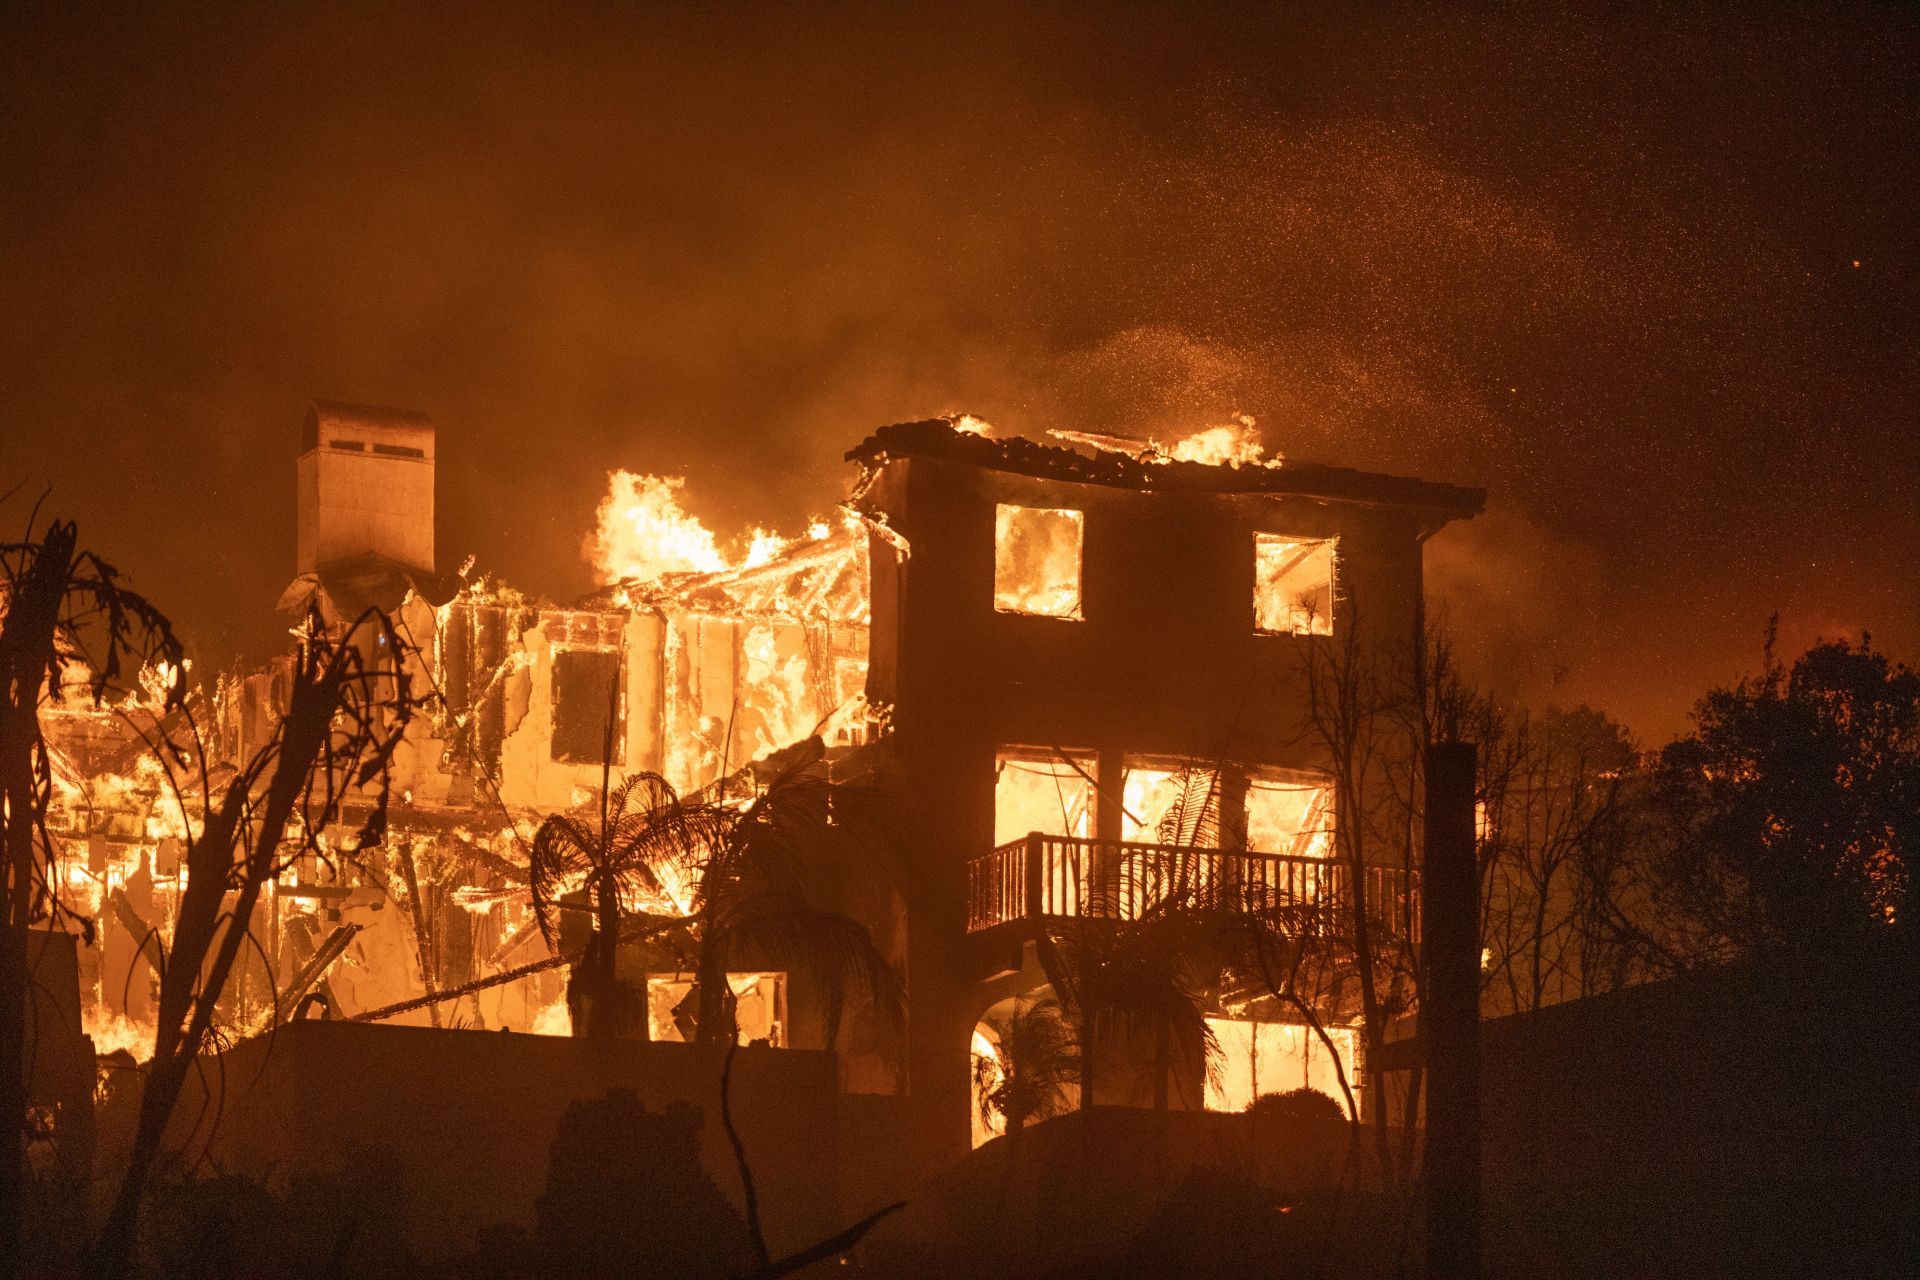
x: 562, y: 850
x: 834, y: 954
x: 1034, y: 1061
x: 1193, y: 820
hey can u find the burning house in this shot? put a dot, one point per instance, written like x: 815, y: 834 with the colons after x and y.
x: 1081, y: 671
x: 1094, y: 670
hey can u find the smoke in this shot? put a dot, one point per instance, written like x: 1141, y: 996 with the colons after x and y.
x: 1580, y: 262
x: 1518, y: 604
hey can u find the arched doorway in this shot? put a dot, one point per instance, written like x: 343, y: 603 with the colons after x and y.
x: 1023, y: 1064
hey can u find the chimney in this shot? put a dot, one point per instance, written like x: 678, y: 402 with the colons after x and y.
x: 365, y: 487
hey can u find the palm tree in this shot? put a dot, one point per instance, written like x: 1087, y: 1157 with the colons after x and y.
x: 749, y: 872
x: 1034, y: 1059
x: 1139, y: 970
x: 346, y: 715
x: 1135, y: 981
x: 751, y: 869
x: 752, y: 904
x: 645, y: 829
x: 62, y: 612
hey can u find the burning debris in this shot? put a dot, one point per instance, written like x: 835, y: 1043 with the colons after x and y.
x: 1225, y: 444
x: 1234, y: 443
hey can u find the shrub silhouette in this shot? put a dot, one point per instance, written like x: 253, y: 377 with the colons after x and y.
x: 626, y: 1194
x: 1297, y: 1108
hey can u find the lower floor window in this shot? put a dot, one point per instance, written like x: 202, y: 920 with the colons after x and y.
x: 759, y: 1007
x: 1259, y: 1058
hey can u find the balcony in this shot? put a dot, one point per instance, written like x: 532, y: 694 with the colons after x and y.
x: 1045, y: 877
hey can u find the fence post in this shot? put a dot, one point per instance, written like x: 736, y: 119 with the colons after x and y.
x: 1035, y: 884
x: 1450, y: 1013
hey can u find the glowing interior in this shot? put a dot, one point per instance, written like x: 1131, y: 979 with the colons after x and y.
x: 1290, y: 814
x: 1044, y: 792
x: 1273, y: 1057
x: 1036, y: 561
x: 1292, y: 585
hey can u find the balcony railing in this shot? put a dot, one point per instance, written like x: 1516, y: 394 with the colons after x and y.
x: 1043, y: 876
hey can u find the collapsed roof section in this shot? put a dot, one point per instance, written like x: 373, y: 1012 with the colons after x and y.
x: 345, y: 589
x: 816, y: 580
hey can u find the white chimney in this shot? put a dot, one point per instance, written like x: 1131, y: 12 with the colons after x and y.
x: 366, y: 487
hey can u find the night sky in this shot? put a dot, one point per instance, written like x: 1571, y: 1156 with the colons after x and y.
x: 1651, y: 281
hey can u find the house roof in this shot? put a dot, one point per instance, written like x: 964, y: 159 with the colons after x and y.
x: 938, y: 438
x: 816, y: 580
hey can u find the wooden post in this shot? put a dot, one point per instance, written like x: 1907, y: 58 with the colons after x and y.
x: 1450, y: 1013
x: 1035, y: 871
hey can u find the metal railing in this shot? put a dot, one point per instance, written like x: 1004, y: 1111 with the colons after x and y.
x: 1041, y: 876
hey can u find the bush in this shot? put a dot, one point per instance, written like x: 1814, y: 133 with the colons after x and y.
x: 626, y: 1194
x: 1298, y: 1107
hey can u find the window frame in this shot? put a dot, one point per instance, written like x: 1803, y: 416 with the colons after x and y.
x: 1078, y: 610
x: 1312, y: 544
x: 560, y: 651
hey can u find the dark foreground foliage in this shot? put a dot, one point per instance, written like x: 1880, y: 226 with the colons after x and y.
x: 1793, y: 809
x: 626, y: 1195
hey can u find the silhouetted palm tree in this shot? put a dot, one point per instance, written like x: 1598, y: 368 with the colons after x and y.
x: 754, y: 902
x: 645, y: 830
x: 1137, y: 972
x: 63, y: 612
x: 1139, y: 981
x: 1034, y: 1059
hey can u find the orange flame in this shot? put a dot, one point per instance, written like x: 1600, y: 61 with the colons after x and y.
x: 1234, y: 443
x: 643, y: 532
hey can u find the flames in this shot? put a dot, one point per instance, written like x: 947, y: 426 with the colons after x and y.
x: 113, y: 1032
x: 644, y: 533
x: 764, y: 643
x: 1234, y: 443
x: 1036, y: 565
x: 1294, y: 585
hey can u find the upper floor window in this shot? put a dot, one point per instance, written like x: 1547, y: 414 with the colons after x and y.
x: 1038, y: 790
x: 1036, y: 561
x: 1290, y: 813
x: 1164, y: 803
x: 1292, y: 585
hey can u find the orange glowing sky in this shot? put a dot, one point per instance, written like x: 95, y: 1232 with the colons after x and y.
x: 1650, y: 280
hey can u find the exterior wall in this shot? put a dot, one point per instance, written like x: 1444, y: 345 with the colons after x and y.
x: 1753, y: 1120
x: 529, y: 775
x: 702, y: 695
x: 1166, y: 661
x: 470, y: 1116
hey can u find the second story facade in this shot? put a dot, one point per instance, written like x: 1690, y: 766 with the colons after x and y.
x: 1121, y: 649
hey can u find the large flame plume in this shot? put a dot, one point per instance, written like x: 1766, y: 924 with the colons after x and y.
x: 642, y: 533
